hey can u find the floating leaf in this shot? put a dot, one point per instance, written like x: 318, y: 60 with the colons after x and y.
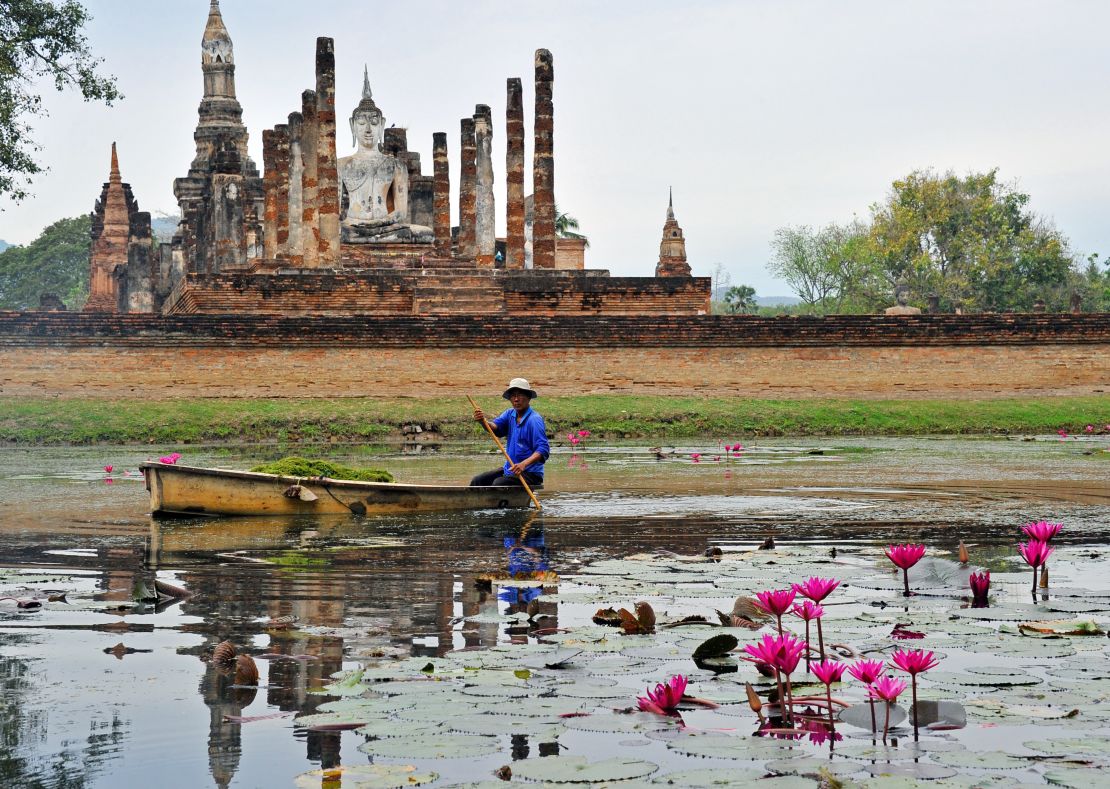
x: 433, y: 746
x: 717, y: 646
x: 578, y: 769
x: 916, y: 772
x: 811, y: 766
x: 859, y: 715
x: 364, y: 776
x: 981, y: 760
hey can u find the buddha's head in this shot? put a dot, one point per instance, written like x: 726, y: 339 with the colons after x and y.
x: 367, y: 121
x: 901, y: 294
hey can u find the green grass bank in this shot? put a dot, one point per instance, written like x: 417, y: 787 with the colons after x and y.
x: 76, y: 421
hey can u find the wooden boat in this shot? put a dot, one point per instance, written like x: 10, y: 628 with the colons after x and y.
x: 190, y: 490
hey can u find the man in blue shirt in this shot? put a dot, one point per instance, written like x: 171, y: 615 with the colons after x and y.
x: 525, y: 439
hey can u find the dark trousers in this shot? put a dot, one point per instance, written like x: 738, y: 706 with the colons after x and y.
x: 498, y: 478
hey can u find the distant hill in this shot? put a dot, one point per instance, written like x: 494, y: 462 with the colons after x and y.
x: 3, y: 245
x: 777, y: 301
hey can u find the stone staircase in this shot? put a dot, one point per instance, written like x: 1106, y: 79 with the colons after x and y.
x: 458, y: 291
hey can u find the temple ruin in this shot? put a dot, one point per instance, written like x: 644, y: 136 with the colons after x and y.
x: 367, y: 233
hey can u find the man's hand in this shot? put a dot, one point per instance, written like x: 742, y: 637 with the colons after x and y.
x: 516, y: 468
x: 479, y: 415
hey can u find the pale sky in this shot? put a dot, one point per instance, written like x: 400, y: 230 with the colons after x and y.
x: 760, y: 113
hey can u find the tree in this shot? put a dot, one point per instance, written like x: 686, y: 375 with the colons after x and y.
x: 55, y: 262
x: 828, y: 269
x: 40, y: 38
x: 740, y: 299
x: 566, y: 225
x: 972, y: 241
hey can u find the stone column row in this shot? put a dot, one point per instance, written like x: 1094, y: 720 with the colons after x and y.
x: 484, y: 219
x: 468, y: 179
x: 441, y: 206
x: 543, y: 165
x: 514, y: 175
x: 301, y: 178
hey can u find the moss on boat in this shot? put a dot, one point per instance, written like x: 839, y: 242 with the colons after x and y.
x: 300, y: 467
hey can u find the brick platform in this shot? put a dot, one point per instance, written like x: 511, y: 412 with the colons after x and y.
x: 134, y: 355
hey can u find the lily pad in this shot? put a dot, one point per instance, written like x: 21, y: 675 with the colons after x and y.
x: 711, y: 776
x: 859, y: 715
x: 981, y: 760
x: 916, y: 772
x: 365, y: 776
x: 811, y: 766
x: 433, y: 746
x: 578, y: 769
x: 729, y: 747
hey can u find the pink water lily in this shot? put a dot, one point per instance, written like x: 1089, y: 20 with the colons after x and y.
x: 1035, y: 553
x: 913, y: 661
x: 779, y: 652
x: 108, y: 468
x: 828, y: 671
x: 905, y: 557
x: 170, y: 459
x: 886, y: 688
x: 775, y: 601
x: 816, y: 589
x: 1062, y: 433
x: 583, y: 433
x: 1090, y: 428
x: 1043, y: 531
x: 820, y: 732
x: 665, y: 698
x: 980, y: 585
x: 808, y: 611
x: 695, y: 456
x: 867, y: 671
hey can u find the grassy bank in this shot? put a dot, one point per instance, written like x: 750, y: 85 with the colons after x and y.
x: 75, y: 421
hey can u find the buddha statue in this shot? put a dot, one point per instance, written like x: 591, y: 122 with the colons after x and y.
x: 374, y: 186
x: 902, y: 295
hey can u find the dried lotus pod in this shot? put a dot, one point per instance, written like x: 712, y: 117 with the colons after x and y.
x: 748, y: 608
x: 246, y: 671
x: 224, y: 653
x: 645, y: 614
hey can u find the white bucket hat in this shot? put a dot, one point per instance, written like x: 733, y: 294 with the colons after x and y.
x: 523, y: 385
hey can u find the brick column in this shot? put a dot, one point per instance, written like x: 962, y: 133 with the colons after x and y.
x: 270, y: 194
x: 281, y: 165
x: 310, y: 231
x: 327, y: 170
x: 468, y: 177
x: 296, y: 173
x: 543, y: 165
x: 441, y: 211
x: 514, y: 176
x: 484, y: 217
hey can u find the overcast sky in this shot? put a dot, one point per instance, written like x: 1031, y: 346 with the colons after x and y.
x: 760, y: 113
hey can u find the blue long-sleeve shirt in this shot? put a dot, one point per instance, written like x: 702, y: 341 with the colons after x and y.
x: 523, y: 439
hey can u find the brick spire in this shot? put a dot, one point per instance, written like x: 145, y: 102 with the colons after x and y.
x: 672, y: 249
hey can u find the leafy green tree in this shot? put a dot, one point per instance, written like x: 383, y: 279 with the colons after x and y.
x: 55, y: 262
x: 740, y: 299
x: 40, y: 38
x: 830, y: 270
x: 972, y: 241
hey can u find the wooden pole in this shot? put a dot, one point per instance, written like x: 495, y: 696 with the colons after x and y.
x: 501, y: 446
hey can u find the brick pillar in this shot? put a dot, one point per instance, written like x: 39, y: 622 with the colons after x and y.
x: 281, y: 162
x: 468, y: 177
x: 270, y: 194
x: 310, y: 231
x: 327, y: 169
x: 484, y: 216
x: 543, y: 165
x: 296, y: 173
x: 441, y: 213
x: 514, y: 176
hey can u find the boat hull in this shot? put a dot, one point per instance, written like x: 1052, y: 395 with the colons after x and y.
x: 191, y: 491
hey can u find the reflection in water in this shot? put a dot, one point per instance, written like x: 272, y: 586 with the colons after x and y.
x: 361, y: 589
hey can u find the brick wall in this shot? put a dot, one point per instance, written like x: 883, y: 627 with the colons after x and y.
x: 83, y: 355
